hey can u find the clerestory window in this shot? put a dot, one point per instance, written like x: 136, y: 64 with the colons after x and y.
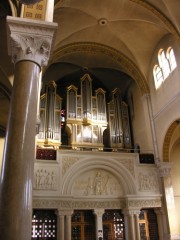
x: 166, y: 64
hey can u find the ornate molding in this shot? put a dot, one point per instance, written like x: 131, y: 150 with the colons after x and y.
x: 78, y: 204
x: 143, y: 203
x: 30, y: 40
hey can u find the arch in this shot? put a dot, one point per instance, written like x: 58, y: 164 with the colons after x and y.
x: 127, y: 65
x: 121, y: 174
x: 167, y: 140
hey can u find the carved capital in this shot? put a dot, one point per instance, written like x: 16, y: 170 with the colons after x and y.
x: 64, y: 212
x: 99, y: 212
x: 165, y: 169
x: 30, y: 40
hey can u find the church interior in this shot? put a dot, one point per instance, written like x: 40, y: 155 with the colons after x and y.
x: 89, y: 120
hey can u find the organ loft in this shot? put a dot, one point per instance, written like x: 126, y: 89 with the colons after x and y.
x: 85, y: 117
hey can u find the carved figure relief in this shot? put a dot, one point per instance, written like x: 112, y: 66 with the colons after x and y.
x: 45, y: 180
x: 148, y: 182
x: 97, y: 183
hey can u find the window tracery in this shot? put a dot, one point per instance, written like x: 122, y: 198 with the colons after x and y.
x: 166, y: 64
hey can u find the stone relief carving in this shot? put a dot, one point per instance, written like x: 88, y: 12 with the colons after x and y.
x: 31, y: 48
x: 148, y: 181
x: 165, y: 171
x: 45, y: 179
x: 97, y: 183
x: 144, y: 203
x: 129, y: 164
x: 70, y: 204
x: 36, y: 46
x: 67, y: 162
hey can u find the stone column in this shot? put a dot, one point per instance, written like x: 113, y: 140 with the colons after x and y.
x: 68, y: 224
x: 136, y: 219
x: 165, y: 174
x: 99, y: 223
x: 131, y: 227
x: 60, y: 225
x: 161, y: 227
x: 126, y: 225
x: 29, y: 44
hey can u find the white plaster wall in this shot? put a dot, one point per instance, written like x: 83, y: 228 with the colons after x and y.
x: 165, y: 100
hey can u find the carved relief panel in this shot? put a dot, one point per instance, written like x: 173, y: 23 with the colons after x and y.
x: 45, y: 178
x: 148, y: 180
x: 97, y: 183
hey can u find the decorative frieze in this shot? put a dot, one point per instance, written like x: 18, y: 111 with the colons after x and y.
x: 78, y: 204
x: 144, y: 203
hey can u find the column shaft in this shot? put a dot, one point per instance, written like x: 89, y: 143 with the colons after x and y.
x: 99, y: 223
x: 136, y: 216
x: 68, y: 227
x: 19, y: 151
x: 131, y: 227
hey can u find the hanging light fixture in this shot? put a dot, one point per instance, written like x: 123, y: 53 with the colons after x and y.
x: 28, y: 2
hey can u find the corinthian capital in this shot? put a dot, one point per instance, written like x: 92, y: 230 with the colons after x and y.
x: 30, y: 40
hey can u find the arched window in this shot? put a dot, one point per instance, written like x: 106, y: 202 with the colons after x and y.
x: 163, y: 63
x: 158, y: 76
x: 171, y: 58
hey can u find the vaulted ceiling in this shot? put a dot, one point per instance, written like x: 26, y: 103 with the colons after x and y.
x: 112, y: 40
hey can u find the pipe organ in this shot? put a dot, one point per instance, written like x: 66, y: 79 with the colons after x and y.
x: 90, y: 121
x: 86, y: 115
x: 119, y: 127
x: 50, y: 116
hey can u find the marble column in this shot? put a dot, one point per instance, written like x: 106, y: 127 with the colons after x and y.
x: 137, y: 230
x: 126, y: 225
x: 68, y: 225
x: 165, y: 174
x: 99, y: 223
x: 131, y: 226
x: 161, y: 226
x: 29, y: 44
x: 60, y: 226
